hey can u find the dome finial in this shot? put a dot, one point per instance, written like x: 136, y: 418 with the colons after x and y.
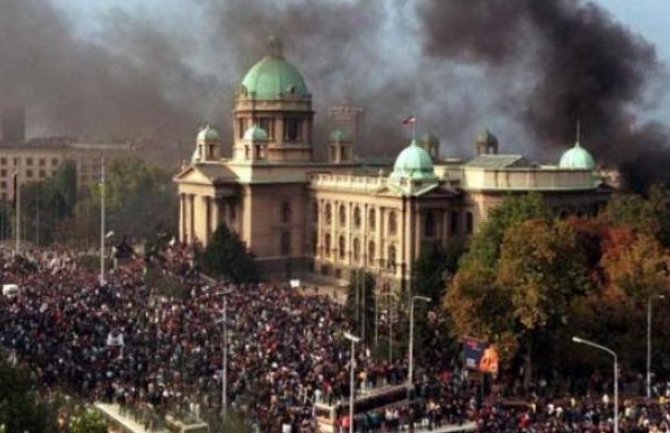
x: 578, y: 135
x: 275, y: 47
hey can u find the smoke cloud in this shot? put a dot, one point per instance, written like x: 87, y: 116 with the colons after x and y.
x: 583, y: 66
x: 77, y: 88
x: 528, y: 69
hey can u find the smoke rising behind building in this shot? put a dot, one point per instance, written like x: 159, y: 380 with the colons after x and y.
x: 526, y: 69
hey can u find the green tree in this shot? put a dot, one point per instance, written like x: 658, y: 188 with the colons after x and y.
x: 88, y: 420
x: 140, y: 200
x: 227, y: 256
x: 48, y: 202
x: 20, y: 408
x: 485, y: 246
x: 650, y: 215
x: 434, y: 267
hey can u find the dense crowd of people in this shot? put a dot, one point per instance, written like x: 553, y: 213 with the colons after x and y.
x: 127, y: 342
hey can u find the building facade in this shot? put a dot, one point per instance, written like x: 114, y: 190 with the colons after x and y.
x: 302, y: 216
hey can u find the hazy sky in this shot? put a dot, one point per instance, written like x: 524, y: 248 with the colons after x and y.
x: 648, y: 18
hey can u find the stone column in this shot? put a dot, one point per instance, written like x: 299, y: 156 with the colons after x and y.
x: 379, y: 217
x: 191, y: 219
x: 182, y: 218
x: 215, y: 214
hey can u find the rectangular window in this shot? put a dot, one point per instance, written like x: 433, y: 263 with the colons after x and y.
x: 3, y: 173
x: 292, y: 130
x: 3, y: 184
x: 54, y: 161
x: 42, y: 162
x: 240, y: 127
x: 29, y: 173
x: 43, y: 173
x: 29, y: 161
x: 3, y: 161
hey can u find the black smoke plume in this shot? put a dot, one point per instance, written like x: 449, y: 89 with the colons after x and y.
x: 91, y: 90
x: 582, y: 66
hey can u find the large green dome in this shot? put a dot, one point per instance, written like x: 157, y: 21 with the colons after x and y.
x: 413, y: 163
x: 274, y: 78
x: 577, y: 158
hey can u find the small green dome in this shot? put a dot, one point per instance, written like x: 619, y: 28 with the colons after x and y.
x: 340, y: 135
x: 413, y: 162
x: 207, y: 134
x: 577, y: 158
x: 255, y: 133
x: 273, y: 78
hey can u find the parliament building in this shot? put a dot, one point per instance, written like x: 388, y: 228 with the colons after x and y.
x: 302, y: 217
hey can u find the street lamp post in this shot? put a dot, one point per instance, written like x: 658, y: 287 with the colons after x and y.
x: 649, y: 299
x: 354, y: 339
x: 224, y: 349
x: 616, y: 376
x: 102, y: 220
x: 411, y: 337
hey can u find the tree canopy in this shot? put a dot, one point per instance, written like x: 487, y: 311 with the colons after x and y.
x: 530, y: 282
x: 20, y: 409
x: 226, y: 256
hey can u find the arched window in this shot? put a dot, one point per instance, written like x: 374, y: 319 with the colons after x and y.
x: 429, y: 224
x: 329, y: 213
x: 371, y: 252
x: 391, y: 257
x: 327, y: 244
x: 286, y: 212
x: 393, y: 223
x: 315, y: 238
x: 372, y: 219
x: 315, y: 211
x: 469, y: 223
x: 343, y: 215
x: 357, y: 217
x: 357, y: 248
x: 341, y: 247
x: 285, y: 243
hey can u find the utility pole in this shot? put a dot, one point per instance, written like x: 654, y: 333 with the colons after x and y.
x: 102, y: 220
x: 17, y: 187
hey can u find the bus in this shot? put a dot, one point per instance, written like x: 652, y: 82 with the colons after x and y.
x: 328, y: 416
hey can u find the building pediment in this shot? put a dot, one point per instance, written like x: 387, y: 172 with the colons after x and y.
x: 206, y: 174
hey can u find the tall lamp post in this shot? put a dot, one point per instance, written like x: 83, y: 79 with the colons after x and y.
x: 616, y: 375
x: 224, y: 349
x: 102, y: 220
x: 649, y: 299
x: 410, y: 372
x: 354, y: 339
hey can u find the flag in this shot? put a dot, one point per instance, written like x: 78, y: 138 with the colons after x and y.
x: 411, y: 120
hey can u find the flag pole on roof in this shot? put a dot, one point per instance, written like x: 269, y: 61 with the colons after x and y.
x: 411, y: 120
